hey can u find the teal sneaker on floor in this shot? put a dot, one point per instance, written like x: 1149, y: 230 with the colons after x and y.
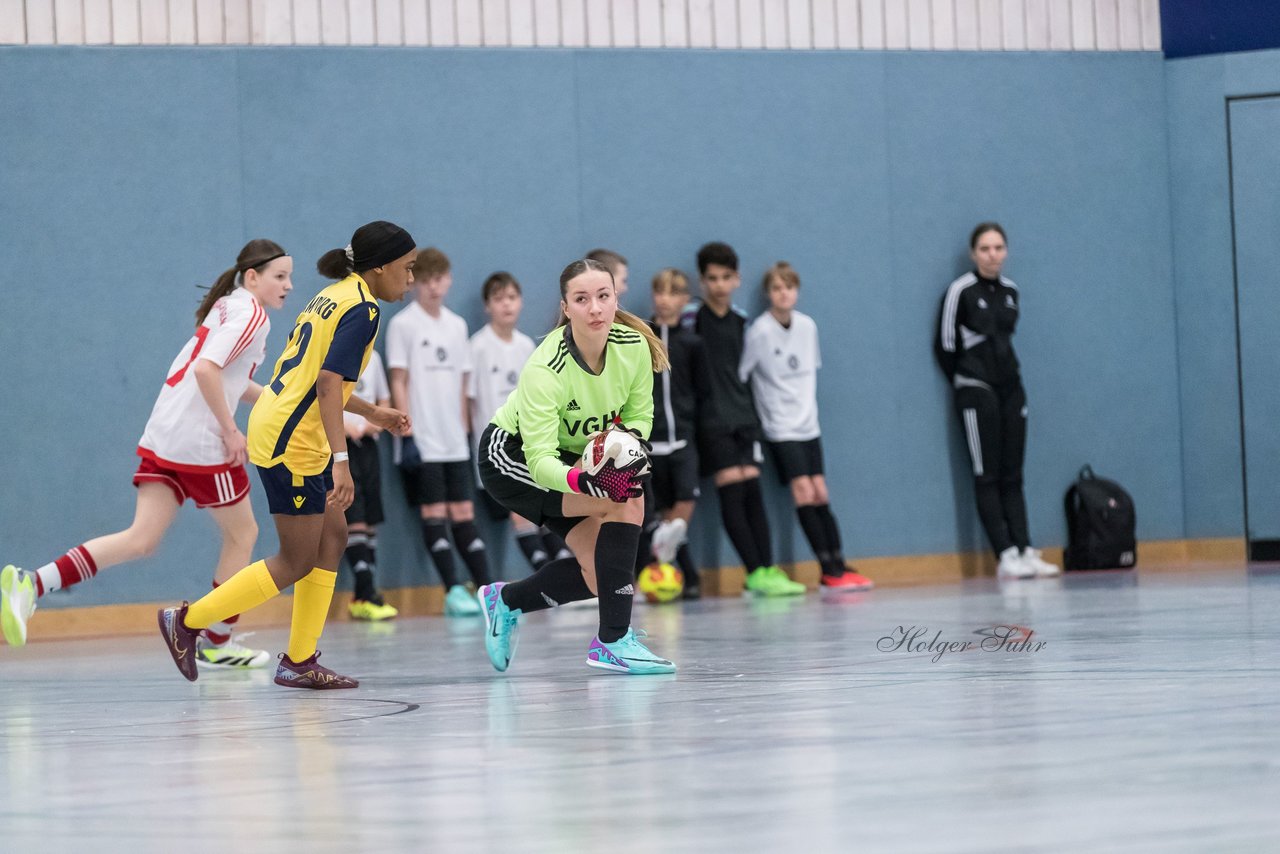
x: 627, y: 655
x: 772, y: 581
x: 501, y: 626
x: 17, y: 603
x: 459, y: 602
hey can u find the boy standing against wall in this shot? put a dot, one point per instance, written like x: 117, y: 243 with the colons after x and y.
x: 729, y: 429
x: 429, y: 356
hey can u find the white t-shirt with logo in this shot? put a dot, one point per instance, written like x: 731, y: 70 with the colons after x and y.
x: 371, y: 388
x: 182, y: 433
x: 782, y: 367
x: 496, y: 366
x: 437, y: 355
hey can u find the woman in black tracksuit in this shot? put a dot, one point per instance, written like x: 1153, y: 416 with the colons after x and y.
x: 975, y: 348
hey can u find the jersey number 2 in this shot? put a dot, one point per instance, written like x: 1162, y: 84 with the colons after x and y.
x: 303, y: 333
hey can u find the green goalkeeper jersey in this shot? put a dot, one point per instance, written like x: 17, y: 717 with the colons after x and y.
x: 559, y: 402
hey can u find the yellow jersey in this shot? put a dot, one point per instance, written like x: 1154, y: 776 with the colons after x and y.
x: 334, y: 332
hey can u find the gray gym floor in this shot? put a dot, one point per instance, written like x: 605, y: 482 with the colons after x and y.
x: 1147, y: 721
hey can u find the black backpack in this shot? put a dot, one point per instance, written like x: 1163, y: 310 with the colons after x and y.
x: 1100, y: 524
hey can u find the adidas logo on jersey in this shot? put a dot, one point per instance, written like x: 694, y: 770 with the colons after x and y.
x: 572, y: 407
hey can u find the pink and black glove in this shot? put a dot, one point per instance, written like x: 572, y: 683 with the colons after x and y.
x: 617, y: 485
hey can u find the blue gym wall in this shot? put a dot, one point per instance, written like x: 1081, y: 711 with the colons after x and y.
x: 130, y: 175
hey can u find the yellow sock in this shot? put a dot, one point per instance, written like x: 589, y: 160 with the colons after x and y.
x: 311, y: 598
x: 248, y: 588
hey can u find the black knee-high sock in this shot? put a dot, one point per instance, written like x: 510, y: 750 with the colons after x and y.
x: 532, y: 547
x: 473, y: 551
x: 644, y: 549
x: 556, y: 546
x: 616, y: 546
x: 734, y: 515
x: 834, y: 543
x: 435, y: 533
x: 759, y: 520
x: 555, y: 583
x: 815, y: 531
x: 360, y: 555
x: 687, y: 565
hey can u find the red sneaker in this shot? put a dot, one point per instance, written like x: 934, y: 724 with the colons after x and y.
x: 849, y: 580
x: 180, y: 639
x: 309, y: 674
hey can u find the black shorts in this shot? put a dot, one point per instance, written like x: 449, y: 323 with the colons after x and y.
x: 797, y: 459
x: 507, y: 480
x: 494, y: 510
x: 290, y: 494
x: 675, y: 477
x: 436, y: 483
x: 366, y: 471
x: 720, y: 449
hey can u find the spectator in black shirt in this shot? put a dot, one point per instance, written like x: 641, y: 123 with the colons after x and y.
x: 975, y: 348
x: 728, y: 427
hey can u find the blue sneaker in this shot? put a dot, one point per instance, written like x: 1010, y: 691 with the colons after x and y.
x: 501, y: 626
x: 459, y: 602
x: 627, y: 655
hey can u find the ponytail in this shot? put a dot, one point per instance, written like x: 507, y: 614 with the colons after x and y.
x: 255, y: 255
x: 657, y: 352
x: 226, y: 284
x: 335, y: 264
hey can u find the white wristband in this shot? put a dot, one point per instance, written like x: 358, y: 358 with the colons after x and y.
x: 341, y: 457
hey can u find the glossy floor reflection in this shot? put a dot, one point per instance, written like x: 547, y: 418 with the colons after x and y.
x: 1146, y: 720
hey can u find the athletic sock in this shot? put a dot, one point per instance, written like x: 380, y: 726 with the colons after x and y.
x: 734, y: 515
x: 435, y: 533
x: 73, y: 567
x: 557, y: 582
x: 815, y: 531
x: 532, y: 547
x: 688, y: 567
x: 616, y: 546
x: 473, y: 551
x: 359, y: 554
x: 220, y: 632
x: 245, y: 590
x: 556, y: 546
x: 834, y: 544
x: 311, y: 597
x: 758, y: 520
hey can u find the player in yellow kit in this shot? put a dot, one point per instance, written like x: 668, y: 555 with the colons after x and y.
x: 293, y: 428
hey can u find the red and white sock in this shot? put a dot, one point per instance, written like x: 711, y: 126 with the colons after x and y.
x: 73, y: 567
x: 220, y: 633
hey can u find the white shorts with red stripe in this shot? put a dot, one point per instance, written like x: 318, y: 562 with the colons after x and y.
x: 220, y: 488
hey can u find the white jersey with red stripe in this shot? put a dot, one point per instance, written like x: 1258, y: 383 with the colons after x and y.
x: 182, y: 432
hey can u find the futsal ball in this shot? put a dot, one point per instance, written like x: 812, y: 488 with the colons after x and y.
x: 616, y: 446
x: 661, y: 582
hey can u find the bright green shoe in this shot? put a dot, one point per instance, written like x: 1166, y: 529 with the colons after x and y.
x: 772, y: 581
x: 459, y: 602
x: 231, y: 655
x: 361, y: 609
x: 17, y: 603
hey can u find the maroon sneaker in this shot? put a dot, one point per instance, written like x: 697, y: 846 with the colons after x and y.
x: 309, y: 674
x: 180, y: 639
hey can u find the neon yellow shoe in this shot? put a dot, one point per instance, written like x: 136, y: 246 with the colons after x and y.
x: 17, y: 603
x: 230, y: 655
x: 372, y: 612
x: 772, y: 581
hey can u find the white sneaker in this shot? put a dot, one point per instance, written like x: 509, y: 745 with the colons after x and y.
x: 667, y: 539
x: 1041, y: 567
x: 1013, y: 566
x: 232, y: 655
x: 17, y: 603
